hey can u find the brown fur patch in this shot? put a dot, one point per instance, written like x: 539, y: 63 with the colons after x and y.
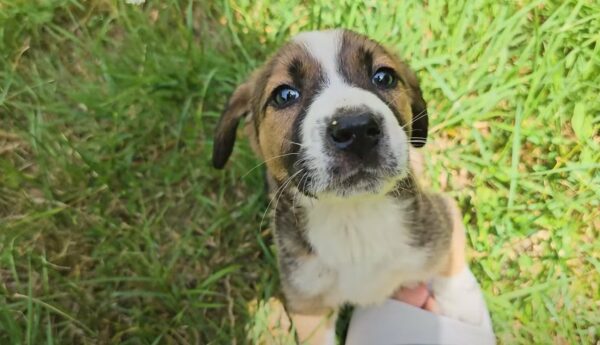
x: 273, y: 127
x: 273, y: 132
x: 237, y: 107
x: 360, y: 57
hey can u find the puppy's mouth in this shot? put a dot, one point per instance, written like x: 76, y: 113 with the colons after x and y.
x: 364, y: 180
x: 351, y: 153
x: 345, y: 181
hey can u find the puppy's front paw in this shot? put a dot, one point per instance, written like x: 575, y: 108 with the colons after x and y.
x: 315, y: 329
x: 272, y: 325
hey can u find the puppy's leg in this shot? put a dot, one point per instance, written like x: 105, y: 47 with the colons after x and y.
x: 286, y: 327
x: 278, y: 325
x: 318, y: 329
x: 455, y: 289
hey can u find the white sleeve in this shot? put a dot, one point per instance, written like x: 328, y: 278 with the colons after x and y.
x: 459, y: 297
x: 464, y: 320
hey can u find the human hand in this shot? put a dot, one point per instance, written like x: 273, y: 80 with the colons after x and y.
x: 420, y: 296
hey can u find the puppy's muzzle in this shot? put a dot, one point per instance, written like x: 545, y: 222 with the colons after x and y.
x: 357, y: 134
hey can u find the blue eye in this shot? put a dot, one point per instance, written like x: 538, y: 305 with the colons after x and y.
x: 384, y: 78
x: 284, y: 95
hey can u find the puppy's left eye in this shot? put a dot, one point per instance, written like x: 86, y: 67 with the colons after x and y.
x: 385, y: 78
x: 284, y: 95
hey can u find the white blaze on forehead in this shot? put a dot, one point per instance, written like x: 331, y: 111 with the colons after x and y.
x: 324, y: 46
x: 336, y: 93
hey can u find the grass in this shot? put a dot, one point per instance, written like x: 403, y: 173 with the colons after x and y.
x: 115, y: 229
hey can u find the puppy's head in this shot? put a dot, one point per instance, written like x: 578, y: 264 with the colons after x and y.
x: 332, y: 112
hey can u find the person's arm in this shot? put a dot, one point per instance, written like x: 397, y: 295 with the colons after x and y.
x: 451, y: 310
x: 456, y: 291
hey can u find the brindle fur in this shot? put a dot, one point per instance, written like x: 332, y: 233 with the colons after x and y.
x: 431, y: 229
x: 274, y: 137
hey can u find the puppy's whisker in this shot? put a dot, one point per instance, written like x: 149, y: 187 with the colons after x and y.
x: 280, y: 189
x: 281, y: 193
x: 296, y: 194
x: 420, y: 115
x: 295, y: 143
x: 418, y: 141
x: 417, y: 117
x: 298, y: 191
x: 268, y: 160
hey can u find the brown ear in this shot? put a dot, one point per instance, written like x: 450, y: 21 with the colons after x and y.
x: 237, y: 107
x: 420, y: 118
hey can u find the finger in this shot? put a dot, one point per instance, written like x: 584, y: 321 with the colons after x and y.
x: 416, y: 296
x: 431, y: 305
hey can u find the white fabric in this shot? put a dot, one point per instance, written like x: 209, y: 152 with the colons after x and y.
x: 459, y: 297
x: 465, y: 321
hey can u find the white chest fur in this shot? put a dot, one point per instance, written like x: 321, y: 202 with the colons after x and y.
x: 362, y: 250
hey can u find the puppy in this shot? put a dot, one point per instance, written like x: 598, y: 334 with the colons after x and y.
x: 333, y: 114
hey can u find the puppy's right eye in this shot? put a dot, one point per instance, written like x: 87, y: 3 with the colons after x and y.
x: 284, y: 96
x: 384, y: 78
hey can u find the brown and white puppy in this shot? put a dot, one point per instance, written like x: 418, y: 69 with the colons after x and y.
x: 333, y: 114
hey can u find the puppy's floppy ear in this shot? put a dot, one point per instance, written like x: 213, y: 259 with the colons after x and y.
x: 420, y: 118
x: 237, y: 107
x: 420, y: 121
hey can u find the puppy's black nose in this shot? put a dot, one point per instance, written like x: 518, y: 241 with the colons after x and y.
x: 358, y: 133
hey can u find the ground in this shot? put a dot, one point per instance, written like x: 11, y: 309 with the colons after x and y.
x: 114, y: 228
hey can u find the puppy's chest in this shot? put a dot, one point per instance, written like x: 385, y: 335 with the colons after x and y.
x: 362, y: 251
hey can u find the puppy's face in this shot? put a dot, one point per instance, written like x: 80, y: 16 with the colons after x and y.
x: 332, y: 112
